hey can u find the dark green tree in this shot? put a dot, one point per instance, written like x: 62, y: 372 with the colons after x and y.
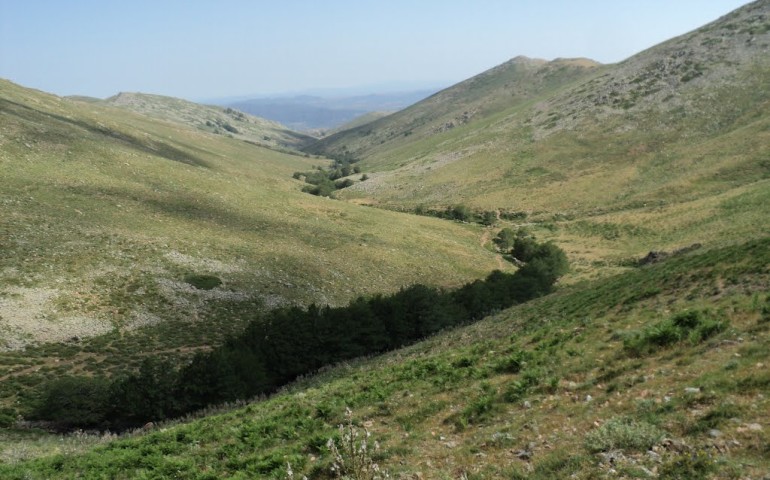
x: 505, y: 240
x: 74, y: 402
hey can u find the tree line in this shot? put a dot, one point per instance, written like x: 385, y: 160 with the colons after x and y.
x: 289, y: 342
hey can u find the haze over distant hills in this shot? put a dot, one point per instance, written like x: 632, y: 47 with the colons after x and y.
x: 315, y: 112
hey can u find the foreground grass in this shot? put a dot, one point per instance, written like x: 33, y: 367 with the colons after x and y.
x: 548, y: 389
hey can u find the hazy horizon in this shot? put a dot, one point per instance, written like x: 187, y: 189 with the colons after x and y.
x: 203, y: 50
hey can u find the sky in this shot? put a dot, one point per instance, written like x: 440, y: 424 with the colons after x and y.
x: 198, y: 49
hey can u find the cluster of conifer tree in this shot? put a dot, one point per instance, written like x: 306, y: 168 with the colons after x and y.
x: 286, y: 343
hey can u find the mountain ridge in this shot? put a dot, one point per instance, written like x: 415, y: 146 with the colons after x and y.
x: 513, y: 82
x: 210, y: 118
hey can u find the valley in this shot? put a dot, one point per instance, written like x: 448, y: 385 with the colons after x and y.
x: 167, y: 248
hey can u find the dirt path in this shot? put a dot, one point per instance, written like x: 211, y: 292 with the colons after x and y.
x: 484, y: 240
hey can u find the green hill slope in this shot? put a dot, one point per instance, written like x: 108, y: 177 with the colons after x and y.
x: 656, y: 373
x: 219, y: 120
x: 665, y: 149
x: 123, y: 236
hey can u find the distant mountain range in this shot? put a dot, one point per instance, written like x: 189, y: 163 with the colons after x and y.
x: 311, y: 113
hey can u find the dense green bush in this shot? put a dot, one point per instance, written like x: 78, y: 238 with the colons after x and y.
x: 505, y: 240
x: 692, y: 325
x: 7, y: 417
x: 74, y: 402
x: 524, y: 248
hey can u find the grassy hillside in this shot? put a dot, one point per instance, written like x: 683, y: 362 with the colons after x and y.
x: 123, y: 236
x: 511, y: 84
x: 219, y: 120
x: 663, y: 150
x: 660, y: 372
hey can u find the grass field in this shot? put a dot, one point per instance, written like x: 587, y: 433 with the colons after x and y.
x: 588, y: 382
x: 108, y: 217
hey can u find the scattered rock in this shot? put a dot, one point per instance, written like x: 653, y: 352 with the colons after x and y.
x: 674, y: 445
x: 527, y: 404
x: 523, y: 454
x: 612, y: 457
x: 714, y: 433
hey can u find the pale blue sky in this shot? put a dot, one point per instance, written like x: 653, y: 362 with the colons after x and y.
x: 204, y: 49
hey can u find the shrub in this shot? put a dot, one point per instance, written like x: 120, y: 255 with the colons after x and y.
x: 524, y: 248
x: 488, y: 218
x: 766, y: 310
x: 688, y: 466
x: 622, y: 433
x: 461, y: 213
x: 505, y: 239
x: 7, y: 417
x: 339, y: 185
x: 352, y: 455
x: 230, y: 128
x: 511, y: 363
x: 689, y: 324
x: 480, y: 408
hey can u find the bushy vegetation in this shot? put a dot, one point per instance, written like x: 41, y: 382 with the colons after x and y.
x: 458, y: 212
x: 291, y: 342
x: 505, y: 239
x: 692, y: 325
x: 325, y: 181
x: 623, y: 433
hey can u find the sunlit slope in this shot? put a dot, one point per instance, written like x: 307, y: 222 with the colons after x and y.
x: 106, y: 214
x: 665, y: 149
x: 219, y: 120
x: 512, y: 84
x: 657, y: 373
